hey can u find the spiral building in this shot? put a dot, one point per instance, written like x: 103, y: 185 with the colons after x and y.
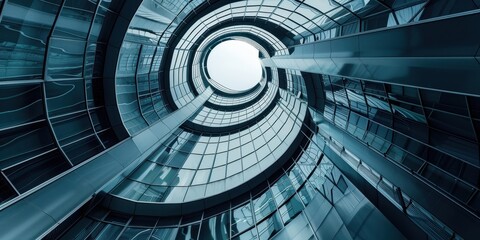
x: 365, y: 123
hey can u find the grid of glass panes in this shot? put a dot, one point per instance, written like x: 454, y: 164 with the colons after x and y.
x: 268, y: 210
x: 139, y: 94
x: 423, y: 218
x: 341, y: 18
x: 255, y: 9
x: 192, y: 166
x: 233, y: 101
x: 337, y: 18
x: 407, y: 125
x: 179, y: 88
x: 217, y: 118
x: 52, y: 114
x: 312, y: 20
x: 296, y: 83
x: 197, y: 76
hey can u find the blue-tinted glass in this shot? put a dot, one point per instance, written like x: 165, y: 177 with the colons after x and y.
x: 242, y: 218
x: 269, y: 227
x: 216, y: 227
x: 264, y: 205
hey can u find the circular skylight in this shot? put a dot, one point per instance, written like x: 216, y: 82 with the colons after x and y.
x: 235, y: 65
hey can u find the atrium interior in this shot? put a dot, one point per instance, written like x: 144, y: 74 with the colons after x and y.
x: 351, y: 119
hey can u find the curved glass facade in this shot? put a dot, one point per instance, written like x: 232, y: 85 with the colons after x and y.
x: 193, y: 165
x: 364, y: 125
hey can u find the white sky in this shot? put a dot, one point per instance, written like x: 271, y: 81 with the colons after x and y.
x: 235, y: 65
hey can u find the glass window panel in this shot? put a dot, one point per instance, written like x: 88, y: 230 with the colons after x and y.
x: 323, y: 6
x: 26, y: 25
x: 207, y: 161
x: 189, y: 232
x: 290, y: 209
x: 6, y: 190
x: 164, y: 234
x: 154, y: 194
x: 135, y: 233
x: 185, y: 177
x: 130, y: 189
x: 73, y: 18
x: 306, y: 193
x: 65, y: 58
x: 234, y: 168
x: 33, y: 172
x: 25, y: 142
x: 108, y: 232
x: 248, y: 235
x: 264, y: 205
x: 282, y: 189
x: 18, y: 111
x: 83, y: 149
x: 201, y: 177
x: 217, y: 173
x: 269, y: 227
x: 194, y: 192
x: 242, y: 218
x: 216, y: 227
x: 192, y: 161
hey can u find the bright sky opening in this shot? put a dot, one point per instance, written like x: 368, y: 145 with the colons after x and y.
x: 235, y: 65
